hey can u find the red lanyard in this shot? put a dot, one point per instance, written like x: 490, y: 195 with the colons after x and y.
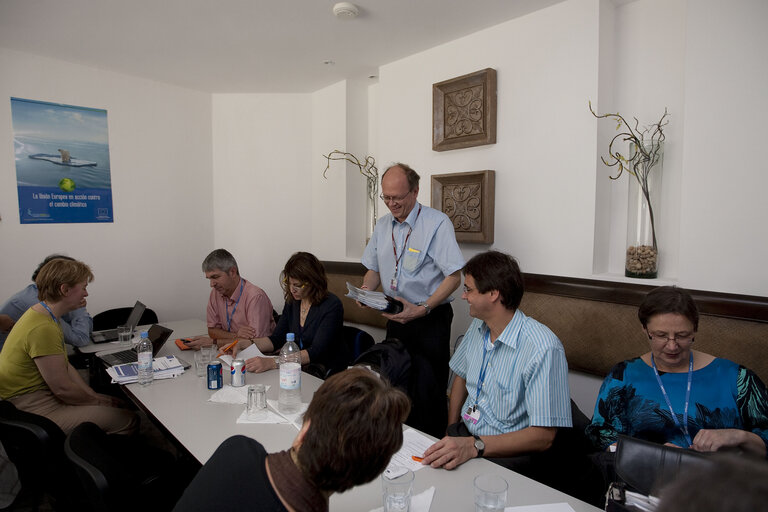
x: 394, y: 248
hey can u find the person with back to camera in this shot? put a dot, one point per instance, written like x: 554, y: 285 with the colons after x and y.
x: 35, y: 374
x: 313, y: 314
x: 76, y: 325
x: 350, y: 431
x: 679, y: 396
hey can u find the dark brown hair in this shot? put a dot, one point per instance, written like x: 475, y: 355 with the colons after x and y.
x: 494, y: 270
x: 304, y: 267
x: 668, y: 299
x: 58, y: 272
x: 355, y: 426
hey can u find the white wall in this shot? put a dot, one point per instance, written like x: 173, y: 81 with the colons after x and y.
x: 160, y: 156
x: 723, y: 242
x: 261, y: 183
x: 544, y: 157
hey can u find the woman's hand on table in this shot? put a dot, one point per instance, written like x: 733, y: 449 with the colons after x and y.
x: 237, y: 347
x: 260, y: 364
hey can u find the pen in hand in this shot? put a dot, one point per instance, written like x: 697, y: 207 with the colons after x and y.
x: 227, y: 348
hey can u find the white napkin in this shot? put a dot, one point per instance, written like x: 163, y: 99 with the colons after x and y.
x: 419, y: 502
x: 270, y: 417
x: 230, y: 395
x: 549, y: 507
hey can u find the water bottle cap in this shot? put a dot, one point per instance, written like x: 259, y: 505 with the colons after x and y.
x: 290, y: 337
x: 144, y: 334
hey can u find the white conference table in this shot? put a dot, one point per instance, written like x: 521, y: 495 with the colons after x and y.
x: 181, y: 406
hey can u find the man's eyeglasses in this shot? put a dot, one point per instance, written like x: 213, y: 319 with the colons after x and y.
x: 680, y: 339
x: 393, y: 199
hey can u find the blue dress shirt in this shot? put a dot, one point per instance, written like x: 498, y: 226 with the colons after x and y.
x: 526, y: 382
x: 430, y: 255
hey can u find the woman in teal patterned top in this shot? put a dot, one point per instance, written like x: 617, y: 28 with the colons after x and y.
x: 679, y: 396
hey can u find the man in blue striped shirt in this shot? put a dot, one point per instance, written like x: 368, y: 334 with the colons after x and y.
x: 511, y: 389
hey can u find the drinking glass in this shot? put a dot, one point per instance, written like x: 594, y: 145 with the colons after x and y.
x: 201, y: 366
x: 397, y: 484
x: 490, y: 493
x: 125, y: 335
x: 257, y: 402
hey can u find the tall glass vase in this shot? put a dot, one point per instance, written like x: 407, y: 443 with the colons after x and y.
x: 642, y: 257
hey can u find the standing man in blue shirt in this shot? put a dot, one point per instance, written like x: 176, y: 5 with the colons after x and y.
x: 76, y: 325
x: 511, y: 392
x: 414, y: 256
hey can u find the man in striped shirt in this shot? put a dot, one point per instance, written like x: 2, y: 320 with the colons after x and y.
x: 510, y: 394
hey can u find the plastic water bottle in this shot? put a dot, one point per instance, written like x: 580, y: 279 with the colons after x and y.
x: 289, y: 399
x: 145, y: 360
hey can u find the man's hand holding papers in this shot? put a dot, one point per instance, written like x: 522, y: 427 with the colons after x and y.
x: 374, y: 300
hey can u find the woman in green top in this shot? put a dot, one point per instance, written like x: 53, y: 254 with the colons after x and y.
x: 35, y: 374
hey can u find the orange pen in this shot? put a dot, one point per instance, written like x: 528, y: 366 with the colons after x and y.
x: 417, y: 459
x: 224, y: 350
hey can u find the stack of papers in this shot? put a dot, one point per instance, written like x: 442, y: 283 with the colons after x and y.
x: 166, y: 367
x: 374, y: 300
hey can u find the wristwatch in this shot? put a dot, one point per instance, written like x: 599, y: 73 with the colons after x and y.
x: 479, y: 445
x: 426, y: 306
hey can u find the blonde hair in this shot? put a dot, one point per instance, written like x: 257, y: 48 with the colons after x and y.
x: 58, y: 272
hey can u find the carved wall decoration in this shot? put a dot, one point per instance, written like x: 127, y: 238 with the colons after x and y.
x: 467, y: 198
x: 464, y: 111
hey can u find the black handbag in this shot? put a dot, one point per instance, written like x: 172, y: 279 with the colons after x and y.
x: 642, y: 467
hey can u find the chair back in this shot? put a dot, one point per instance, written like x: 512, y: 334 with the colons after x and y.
x: 356, y: 340
x: 112, y: 318
x: 121, y: 473
x: 35, y: 446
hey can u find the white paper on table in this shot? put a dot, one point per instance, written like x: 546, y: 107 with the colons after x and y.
x: 414, y: 443
x: 547, y: 507
x: 232, y: 395
x: 250, y: 352
x: 270, y: 417
x: 419, y: 502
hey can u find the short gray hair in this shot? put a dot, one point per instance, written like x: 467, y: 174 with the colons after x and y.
x: 220, y: 259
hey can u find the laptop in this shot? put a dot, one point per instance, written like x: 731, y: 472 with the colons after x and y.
x: 157, y: 334
x: 111, y: 334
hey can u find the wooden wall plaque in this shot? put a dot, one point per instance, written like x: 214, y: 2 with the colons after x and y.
x: 468, y: 200
x: 464, y: 111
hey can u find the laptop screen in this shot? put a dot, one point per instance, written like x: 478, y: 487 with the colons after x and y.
x: 135, y: 316
x: 158, y: 335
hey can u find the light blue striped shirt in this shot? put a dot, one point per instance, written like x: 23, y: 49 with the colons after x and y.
x: 431, y: 254
x: 526, y: 383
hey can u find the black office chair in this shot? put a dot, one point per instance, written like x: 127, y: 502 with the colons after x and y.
x: 111, y: 318
x: 35, y: 445
x: 117, y: 471
x: 356, y: 340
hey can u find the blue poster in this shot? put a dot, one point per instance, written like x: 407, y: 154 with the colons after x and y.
x: 62, y: 163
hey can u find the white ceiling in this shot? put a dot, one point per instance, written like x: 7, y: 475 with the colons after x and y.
x: 244, y: 45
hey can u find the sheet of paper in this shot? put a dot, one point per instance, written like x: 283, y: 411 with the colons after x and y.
x: 548, y: 507
x: 248, y: 353
x: 414, y: 443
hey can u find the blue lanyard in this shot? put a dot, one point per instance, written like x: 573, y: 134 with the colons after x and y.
x: 226, y: 306
x: 483, y: 365
x: 49, y: 311
x: 684, y: 427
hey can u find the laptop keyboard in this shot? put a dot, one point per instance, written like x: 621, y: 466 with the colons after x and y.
x: 126, y: 356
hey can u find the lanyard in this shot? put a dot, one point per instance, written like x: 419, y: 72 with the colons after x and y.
x: 684, y: 427
x: 405, y: 244
x: 226, y: 306
x: 483, y: 365
x: 49, y: 311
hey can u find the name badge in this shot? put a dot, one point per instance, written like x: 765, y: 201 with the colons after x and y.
x: 472, y: 414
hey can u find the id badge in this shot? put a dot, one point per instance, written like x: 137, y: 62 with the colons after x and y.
x: 393, y: 284
x: 472, y: 414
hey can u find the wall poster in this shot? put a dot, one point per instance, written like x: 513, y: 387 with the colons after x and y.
x: 62, y: 163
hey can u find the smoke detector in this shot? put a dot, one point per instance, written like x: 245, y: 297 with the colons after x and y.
x: 346, y: 10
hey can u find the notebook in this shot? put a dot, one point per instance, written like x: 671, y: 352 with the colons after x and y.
x: 111, y: 334
x: 157, y: 334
